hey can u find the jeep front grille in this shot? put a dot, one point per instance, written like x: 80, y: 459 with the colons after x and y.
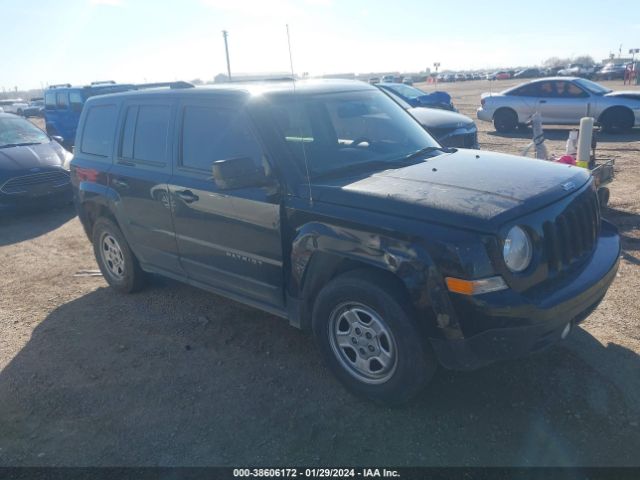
x: 572, y: 236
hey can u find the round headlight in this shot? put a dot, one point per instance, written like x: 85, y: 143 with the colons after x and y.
x: 517, y: 250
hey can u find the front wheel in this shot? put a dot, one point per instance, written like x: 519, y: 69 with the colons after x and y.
x: 505, y: 120
x: 369, y: 340
x: 617, y: 120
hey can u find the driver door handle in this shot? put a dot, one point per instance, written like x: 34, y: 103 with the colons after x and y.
x: 187, y: 196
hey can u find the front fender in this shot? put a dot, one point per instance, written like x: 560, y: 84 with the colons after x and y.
x: 320, y: 250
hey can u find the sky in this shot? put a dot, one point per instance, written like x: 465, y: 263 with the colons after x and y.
x: 79, y: 41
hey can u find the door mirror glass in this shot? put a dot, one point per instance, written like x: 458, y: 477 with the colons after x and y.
x: 238, y: 172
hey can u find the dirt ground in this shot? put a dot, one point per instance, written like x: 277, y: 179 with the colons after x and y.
x: 177, y: 376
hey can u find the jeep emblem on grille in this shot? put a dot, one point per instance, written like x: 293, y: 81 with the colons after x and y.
x: 568, y: 186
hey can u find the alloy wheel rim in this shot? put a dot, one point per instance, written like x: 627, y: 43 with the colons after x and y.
x: 363, y: 343
x: 112, y: 256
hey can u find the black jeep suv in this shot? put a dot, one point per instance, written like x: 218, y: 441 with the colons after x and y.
x: 327, y: 204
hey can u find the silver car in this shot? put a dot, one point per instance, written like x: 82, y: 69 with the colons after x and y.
x: 561, y: 101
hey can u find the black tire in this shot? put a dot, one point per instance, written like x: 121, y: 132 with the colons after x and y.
x: 617, y: 120
x: 123, y: 274
x: 414, y: 362
x: 505, y: 120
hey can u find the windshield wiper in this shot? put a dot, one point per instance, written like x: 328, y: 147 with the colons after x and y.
x: 23, y: 144
x: 424, y: 151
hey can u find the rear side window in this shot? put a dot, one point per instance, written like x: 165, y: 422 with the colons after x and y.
x: 528, y: 90
x: 75, y: 100
x: 210, y: 134
x: 62, y: 100
x: 50, y: 101
x: 99, y: 129
x: 145, y: 135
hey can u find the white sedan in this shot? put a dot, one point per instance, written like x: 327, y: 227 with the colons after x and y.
x: 561, y: 101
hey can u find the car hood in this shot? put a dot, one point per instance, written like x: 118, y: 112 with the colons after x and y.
x: 631, y: 94
x: 438, y: 118
x: 14, y: 159
x: 470, y: 189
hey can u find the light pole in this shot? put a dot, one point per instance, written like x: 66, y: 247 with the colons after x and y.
x: 436, y: 65
x: 226, y: 51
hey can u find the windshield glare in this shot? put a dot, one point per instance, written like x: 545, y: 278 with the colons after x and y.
x: 339, y: 131
x: 592, y: 87
x: 406, y: 91
x: 18, y: 131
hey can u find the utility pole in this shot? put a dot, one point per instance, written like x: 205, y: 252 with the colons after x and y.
x: 226, y: 51
x: 436, y: 65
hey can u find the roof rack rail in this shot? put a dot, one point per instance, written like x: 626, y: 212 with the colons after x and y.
x: 60, y: 85
x: 103, y: 82
x: 265, y: 79
x: 178, y: 84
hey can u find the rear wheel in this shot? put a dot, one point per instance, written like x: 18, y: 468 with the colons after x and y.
x: 505, y: 120
x: 117, y: 263
x: 369, y: 340
x: 617, y: 120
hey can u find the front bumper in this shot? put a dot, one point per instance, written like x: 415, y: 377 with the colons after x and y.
x: 484, y: 115
x: 518, y: 324
x: 17, y: 203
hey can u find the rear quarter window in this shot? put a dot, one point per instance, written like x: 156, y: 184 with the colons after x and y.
x: 99, y: 130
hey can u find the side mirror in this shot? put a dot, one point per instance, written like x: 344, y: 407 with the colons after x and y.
x: 58, y: 139
x: 238, y: 172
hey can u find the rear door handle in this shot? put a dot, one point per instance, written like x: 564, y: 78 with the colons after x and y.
x: 543, y: 101
x: 116, y: 182
x: 187, y: 196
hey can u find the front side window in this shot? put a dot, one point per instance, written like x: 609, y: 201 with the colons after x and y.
x: 99, y: 130
x: 50, y: 101
x: 338, y: 131
x: 210, y: 134
x: 62, y: 100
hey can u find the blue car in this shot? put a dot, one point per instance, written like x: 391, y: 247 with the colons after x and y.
x: 417, y: 98
x: 63, y: 104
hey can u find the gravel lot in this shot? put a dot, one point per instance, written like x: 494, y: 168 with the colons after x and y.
x: 177, y: 376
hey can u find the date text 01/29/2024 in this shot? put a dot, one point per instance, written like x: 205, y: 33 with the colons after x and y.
x: 315, y: 472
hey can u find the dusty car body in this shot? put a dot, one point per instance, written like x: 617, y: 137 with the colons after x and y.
x: 327, y: 204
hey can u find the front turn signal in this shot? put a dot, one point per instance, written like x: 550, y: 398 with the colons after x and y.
x: 475, y: 287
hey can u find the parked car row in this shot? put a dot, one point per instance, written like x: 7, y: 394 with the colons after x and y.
x: 33, y: 108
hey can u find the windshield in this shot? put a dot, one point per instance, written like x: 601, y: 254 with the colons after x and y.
x: 348, y: 130
x: 17, y: 131
x: 592, y: 87
x: 406, y: 91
